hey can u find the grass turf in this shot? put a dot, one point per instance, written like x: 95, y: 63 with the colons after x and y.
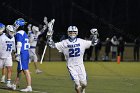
x: 103, y: 77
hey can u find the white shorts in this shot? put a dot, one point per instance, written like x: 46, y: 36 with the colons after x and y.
x: 33, y: 56
x: 78, y: 73
x: 6, y: 62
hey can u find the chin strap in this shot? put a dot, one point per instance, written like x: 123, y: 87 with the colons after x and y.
x: 72, y: 39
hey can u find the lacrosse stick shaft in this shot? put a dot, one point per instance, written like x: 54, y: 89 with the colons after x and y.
x: 43, y: 54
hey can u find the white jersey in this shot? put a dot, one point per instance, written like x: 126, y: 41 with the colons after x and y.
x: 6, y: 46
x: 73, y: 51
x: 33, y: 39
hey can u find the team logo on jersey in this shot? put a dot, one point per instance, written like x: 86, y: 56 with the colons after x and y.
x: 73, y: 45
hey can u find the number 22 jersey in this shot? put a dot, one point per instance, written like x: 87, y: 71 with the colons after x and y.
x: 73, y: 51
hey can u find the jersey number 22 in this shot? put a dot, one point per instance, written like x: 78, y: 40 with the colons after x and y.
x: 74, y: 52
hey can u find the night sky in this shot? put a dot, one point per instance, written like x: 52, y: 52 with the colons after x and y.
x: 110, y: 17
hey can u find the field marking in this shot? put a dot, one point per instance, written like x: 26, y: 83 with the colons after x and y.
x: 10, y: 90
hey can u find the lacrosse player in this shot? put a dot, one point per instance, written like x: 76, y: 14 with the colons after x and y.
x: 22, y: 55
x: 7, y: 41
x: 73, y: 48
x: 2, y: 28
x: 33, y: 38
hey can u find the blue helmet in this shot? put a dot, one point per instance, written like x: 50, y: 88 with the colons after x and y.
x: 2, y: 27
x: 20, y: 22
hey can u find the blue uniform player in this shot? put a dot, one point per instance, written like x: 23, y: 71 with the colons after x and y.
x: 22, y: 55
x: 22, y: 43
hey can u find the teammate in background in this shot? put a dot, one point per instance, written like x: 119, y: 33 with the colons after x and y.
x: 114, y: 42
x: 2, y: 28
x: 7, y: 41
x: 33, y: 38
x: 136, y: 49
x: 22, y: 55
x: 121, y: 47
x: 98, y: 45
x: 73, y: 48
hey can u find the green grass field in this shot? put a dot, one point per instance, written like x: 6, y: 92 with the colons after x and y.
x: 103, y: 77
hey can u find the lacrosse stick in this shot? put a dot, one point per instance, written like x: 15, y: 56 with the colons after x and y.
x: 43, y: 54
x: 49, y: 34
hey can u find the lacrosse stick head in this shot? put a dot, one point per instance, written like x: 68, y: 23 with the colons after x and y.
x: 50, y: 27
x: 53, y: 20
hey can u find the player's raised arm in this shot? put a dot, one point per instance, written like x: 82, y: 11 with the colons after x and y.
x: 49, y: 38
x: 44, y: 26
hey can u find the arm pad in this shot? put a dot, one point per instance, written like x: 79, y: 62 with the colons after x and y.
x: 19, y: 45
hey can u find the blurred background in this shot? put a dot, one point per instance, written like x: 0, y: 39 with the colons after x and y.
x: 120, y: 18
x: 110, y: 17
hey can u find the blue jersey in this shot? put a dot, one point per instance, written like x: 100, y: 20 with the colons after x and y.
x: 22, y: 37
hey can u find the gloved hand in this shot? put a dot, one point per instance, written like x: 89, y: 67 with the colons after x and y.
x: 50, y: 42
x: 29, y: 27
x: 45, y: 20
x: 49, y: 33
x: 95, y: 41
x: 17, y: 57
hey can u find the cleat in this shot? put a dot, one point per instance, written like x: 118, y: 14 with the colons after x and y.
x: 26, y: 90
x: 13, y: 87
x: 83, y: 91
x: 2, y: 80
x: 8, y: 85
x: 38, y: 71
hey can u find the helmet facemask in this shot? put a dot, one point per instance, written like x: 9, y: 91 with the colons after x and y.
x: 11, y: 33
x: 72, y: 32
x: 10, y: 30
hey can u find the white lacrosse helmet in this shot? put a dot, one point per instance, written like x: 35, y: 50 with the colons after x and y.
x: 94, y: 31
x: 2, y: 27
x: 72, y: 32
x: 10, y: 30
x: 35, y: 29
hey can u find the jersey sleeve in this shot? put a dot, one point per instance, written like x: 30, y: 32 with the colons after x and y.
x: 0, y: 45
x: 18, y: 37
x: 87, y: 43
x: 59, y: 46
x: 31, y: 38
